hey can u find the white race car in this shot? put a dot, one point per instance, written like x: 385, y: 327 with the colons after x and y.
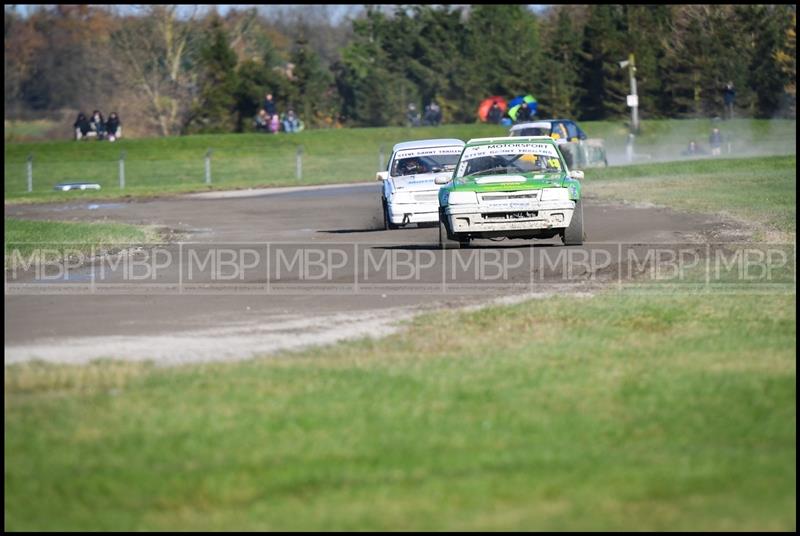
x: 410, y: 193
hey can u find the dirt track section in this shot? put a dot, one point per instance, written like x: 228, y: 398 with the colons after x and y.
x: 171, y: 327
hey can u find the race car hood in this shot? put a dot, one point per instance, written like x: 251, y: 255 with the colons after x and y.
x: 417, y: 183
x: 512, y: 182
x: 516, y: 181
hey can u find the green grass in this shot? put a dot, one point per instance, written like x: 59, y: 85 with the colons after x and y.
x: 25, y: 236
x: 159, y: 166
x: 611, y: 413
x: 759, y: 190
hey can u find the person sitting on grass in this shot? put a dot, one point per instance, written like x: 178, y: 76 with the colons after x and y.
x: 113, y: 127
x: 274, y: 124
x: 261, y: 121
x: 81, y: 127
x: 97, y: 125
x: 290, y: 122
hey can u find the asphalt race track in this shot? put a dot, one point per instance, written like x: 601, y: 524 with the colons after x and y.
x: 365, y: 280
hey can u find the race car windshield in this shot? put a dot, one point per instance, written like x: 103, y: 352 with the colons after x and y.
x: 509, y: 158
x: 417, y: 165
x: 517, y: 163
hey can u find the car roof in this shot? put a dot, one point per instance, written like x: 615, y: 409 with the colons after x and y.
x: 543, y: 123
x: 422, y: 144
x: 513, y: 139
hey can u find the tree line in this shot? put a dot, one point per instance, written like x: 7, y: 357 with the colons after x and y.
x: 170, y: 70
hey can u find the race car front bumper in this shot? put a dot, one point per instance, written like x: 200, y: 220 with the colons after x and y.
x: 477, y: 219
x: 402, y: 213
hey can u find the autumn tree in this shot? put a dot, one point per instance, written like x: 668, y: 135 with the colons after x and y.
x: 154, y: 50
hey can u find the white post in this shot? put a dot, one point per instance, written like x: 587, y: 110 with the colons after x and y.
x: 30, y: 173
x: 122, y: 170
x: 299, y: 162
x: 635, y: 107
x: 208, y: 166
x: 629, y: 147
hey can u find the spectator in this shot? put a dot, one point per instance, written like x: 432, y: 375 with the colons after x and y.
x: 729, y: 95
x: 274, y: 124
x: 113, y: 126
x: 81, y: 126
x: 290, y: 122
x: 524, y: 113
x: 412, y: 116
x: 261, y: 121
x: 495, y: 113
x: 269, y: 105
x: 97, y: 125
x: 715, y: 141
x: 433, y: 114
x: 693, y: 149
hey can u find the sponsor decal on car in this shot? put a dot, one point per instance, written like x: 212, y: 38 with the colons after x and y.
x: 428, y: 151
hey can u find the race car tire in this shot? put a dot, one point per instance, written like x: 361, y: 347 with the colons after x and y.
x: 445, y: 240
x: 387, y: 223
x: 574, y: 235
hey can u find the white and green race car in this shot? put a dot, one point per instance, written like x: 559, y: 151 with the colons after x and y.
x: 515, y: 187
x: 410, y: 192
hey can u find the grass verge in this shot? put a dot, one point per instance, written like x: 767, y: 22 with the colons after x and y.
x: 22, y: 238
x: 614, y: 412
x: 758, y: 190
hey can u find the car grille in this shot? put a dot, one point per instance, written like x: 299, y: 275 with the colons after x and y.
x: 506, y: 216
x: 528, y: 195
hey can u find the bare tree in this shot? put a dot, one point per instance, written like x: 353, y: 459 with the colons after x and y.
x: 153, y: 47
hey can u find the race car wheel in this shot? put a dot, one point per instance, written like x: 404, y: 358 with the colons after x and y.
x: 574, y: 235
x: 445, y: 240
x: 387, y: 222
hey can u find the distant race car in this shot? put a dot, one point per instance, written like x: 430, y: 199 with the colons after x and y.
x: 410, y: 193
x: 515, y: 187
x: 578, y: 149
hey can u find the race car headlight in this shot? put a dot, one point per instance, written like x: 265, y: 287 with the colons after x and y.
x: 462, y: 198
x: 403, y: 197
x: 555, y: 194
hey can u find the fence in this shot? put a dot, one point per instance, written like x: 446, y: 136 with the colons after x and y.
x: 246, y: 166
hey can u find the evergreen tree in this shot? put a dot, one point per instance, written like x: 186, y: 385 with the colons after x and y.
x: 606, y: 84
x: 436, y: 55
x: 214, y: 110
x: 786, y: 60
x: 502, y: 52
x: 560, y: 91
x: 373, y: 94
x: 767, y: 25
x: 646, y: 28
x: 311, y: 83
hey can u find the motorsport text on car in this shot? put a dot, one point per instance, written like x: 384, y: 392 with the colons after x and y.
x: 511, y: 187
x: 410, y: 191
x: 578, y: 149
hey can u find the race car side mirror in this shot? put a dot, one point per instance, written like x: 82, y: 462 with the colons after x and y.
x: 382, y: 175
x: 576, y: 174
x: 443, y: 179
